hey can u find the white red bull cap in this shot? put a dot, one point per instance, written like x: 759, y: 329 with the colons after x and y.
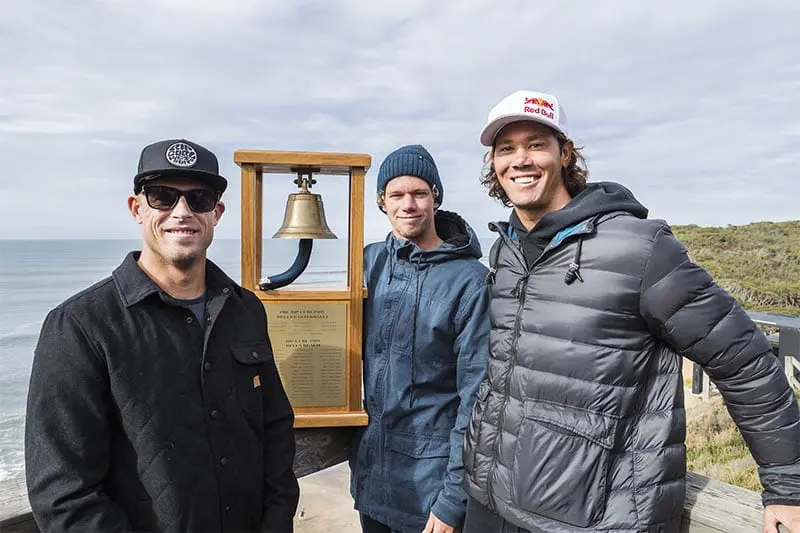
x: 524, y: 105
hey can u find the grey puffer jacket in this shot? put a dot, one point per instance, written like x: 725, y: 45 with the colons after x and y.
x: 580, y: 423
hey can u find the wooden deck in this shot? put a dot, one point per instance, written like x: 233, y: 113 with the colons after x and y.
x: 326, y: 506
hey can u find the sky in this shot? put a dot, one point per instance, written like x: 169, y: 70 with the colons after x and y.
x: 694, y: 106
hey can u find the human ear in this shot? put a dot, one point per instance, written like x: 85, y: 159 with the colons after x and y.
x: 218, y: 212
x: 566, y: 153
x: 135, y: 207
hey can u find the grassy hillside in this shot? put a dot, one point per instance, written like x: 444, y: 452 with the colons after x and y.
x: 759, y: 264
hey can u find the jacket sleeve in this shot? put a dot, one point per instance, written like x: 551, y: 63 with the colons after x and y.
x: 67, y: 434
x: 472, y: 352
x: 281, y: 490
x: 686, y: 309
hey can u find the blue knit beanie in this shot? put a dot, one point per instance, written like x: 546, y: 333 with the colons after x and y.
x: 411, y: 160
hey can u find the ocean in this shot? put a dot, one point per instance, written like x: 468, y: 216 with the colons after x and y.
x: 37, y: 275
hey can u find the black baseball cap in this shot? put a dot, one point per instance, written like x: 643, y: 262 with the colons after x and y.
x: 178, y: 158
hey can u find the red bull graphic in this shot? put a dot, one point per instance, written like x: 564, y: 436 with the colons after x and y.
x: 539, y: 106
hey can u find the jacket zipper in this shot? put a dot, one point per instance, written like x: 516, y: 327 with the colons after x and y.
x: 521, y: 291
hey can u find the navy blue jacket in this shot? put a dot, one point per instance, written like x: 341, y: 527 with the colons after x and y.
x: 426, y: 341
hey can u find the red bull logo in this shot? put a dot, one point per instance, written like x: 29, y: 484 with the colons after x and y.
x: 539, y: 106
x: 541, y: 102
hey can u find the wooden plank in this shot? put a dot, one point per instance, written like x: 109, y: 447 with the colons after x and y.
x: 319, y: 420
x: 355, y: 283
x: 15, y: 510
x: 248, y: 227
x: 716, y: 507
x: 258, y: 225
x: 23, y: 523
x: 792, y: 365
x: 299, y: 295
x: 318, y: 410
x: 770, y: 319
x: 303, y: 295
x: 282, y: 162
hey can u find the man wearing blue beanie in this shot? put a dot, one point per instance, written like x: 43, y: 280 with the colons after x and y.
x: 426, y: 336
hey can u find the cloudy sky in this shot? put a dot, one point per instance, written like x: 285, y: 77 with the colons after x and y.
x: 692, y: 105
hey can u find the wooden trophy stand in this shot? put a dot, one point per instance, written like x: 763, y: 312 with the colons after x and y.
x: 299, y: 318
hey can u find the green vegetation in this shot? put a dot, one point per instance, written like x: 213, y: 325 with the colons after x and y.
x: 715, y: 448
x: 758, y: 264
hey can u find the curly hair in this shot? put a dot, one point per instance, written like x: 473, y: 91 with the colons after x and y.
x: 574, y: 174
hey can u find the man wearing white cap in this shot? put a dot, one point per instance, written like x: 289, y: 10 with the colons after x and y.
x: 579, y: 425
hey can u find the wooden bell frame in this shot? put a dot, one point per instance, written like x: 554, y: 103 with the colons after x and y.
x: 255, y: 164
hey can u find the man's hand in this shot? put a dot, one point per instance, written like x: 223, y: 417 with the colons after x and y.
x: 788, y: 515
x: 435, y: 525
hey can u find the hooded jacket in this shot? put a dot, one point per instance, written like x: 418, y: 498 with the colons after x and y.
x: 426, y: 335
x: 580, y: 424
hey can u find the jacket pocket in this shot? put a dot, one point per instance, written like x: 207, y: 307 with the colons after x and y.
x: 473, y: 434
x: 561, y: 462
x: 248, y: 366
x: 415, y: 469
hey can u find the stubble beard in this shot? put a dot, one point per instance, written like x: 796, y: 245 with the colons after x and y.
x: 185, y: 259
x: 414, y: 232
x: 186, y: 262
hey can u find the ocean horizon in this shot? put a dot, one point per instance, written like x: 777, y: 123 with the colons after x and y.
x: 38, y: 274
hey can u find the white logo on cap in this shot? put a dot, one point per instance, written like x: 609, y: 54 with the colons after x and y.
x: 181, y: 155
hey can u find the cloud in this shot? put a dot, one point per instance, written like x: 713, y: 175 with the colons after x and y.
x: 691, y: 105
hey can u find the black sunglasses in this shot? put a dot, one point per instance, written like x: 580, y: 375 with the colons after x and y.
x: 165, y: 198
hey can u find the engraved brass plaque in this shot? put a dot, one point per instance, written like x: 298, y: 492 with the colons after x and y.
x: 309, y: 341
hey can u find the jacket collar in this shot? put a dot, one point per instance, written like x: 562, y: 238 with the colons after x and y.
x: 583, y: 227
x: 134, y: 285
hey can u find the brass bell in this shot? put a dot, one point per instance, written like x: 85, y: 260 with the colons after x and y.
x: 305, y: 215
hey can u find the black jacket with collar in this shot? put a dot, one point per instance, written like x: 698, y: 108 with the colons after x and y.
x: 134, y: 423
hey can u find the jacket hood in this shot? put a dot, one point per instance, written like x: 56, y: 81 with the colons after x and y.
x: 604, y: 197
x: 459, y: 239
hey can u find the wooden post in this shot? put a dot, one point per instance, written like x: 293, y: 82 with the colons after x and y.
x: 355, y: 283
x: 789, y: 353
x: 249, y: 226
x: 697, y: 378
x: 258, y: 233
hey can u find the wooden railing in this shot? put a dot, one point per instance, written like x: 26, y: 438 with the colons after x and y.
x: 711, y: 506
x: 788, y: 349
x: 15, y: 511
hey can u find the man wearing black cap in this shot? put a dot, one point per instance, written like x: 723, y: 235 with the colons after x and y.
x: 154, y: 401
x: 426, y: 336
